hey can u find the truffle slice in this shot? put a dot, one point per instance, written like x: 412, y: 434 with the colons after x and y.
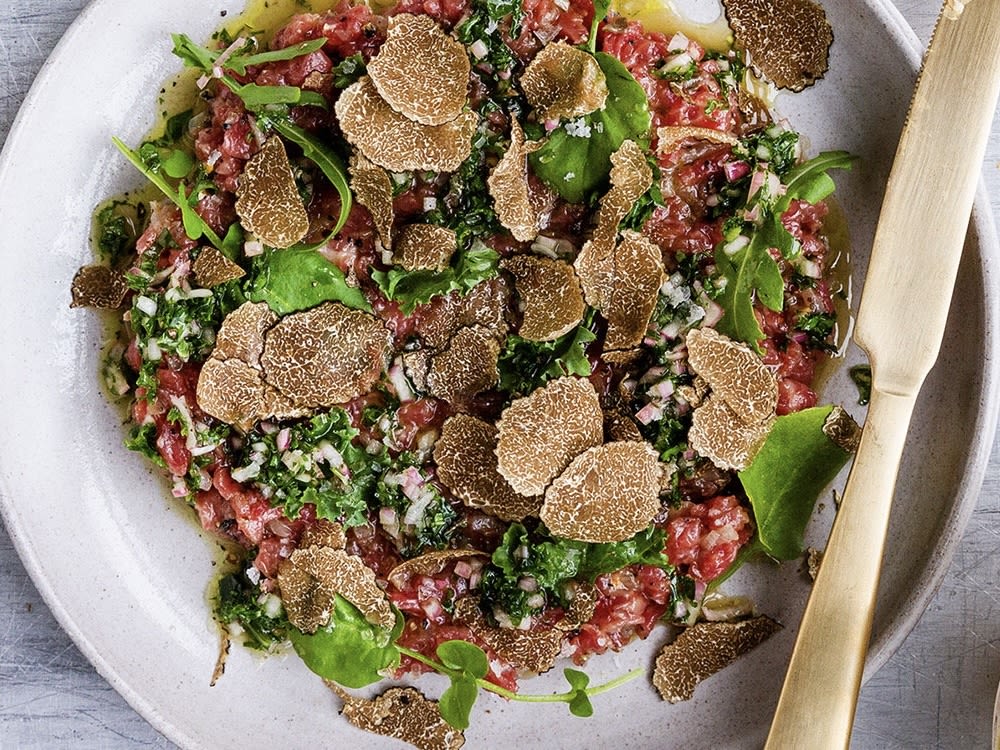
x: 267, y: 199
x: 563, y: 81
x: 532, y: 650
x: 609, y: 493
x: 324, y: 533
x: 788, y: 40
x: 550, y: 295
x: 98, y: 286
x: 390, y: 140
x: 842, y: 430
x: 232, y: 391
x: 670, y: 137
x: 325, y: 356
x: 402, y: 713
x: 734, y: 373
x: 241, y: 335
x: 702, y: 650
x: 467, y: 465
x: 539, y: 434
x: 372, y: 188
x: 508, y: 184
x: 310, y: 578
x: 212, y: 268
x: 466, y: 367
x: 421, y: 71
x: 638, y: 275
x: 485, y: 305
x: 424, y: 247
x: 429, y: 564
x: 720, y: 435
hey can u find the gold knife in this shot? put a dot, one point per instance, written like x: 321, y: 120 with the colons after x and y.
x: 900, y: 324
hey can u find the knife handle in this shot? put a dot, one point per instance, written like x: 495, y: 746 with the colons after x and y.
x: 816, y: 707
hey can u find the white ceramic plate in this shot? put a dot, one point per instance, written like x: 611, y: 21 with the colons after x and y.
x: 127, y: 574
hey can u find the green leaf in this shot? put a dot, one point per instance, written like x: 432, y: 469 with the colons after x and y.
x: 323, y: 157
x: 240, y: 63
x: 786, y: 476
x: 580, y: 705
x: 526, y: 365
x: 178, y: 164
x: 257, y: 97
x: 601, y: 8
x: 575, y: 166
x: 464, y: 657
x: 299, y: 278
x: 468, y: 269
x: 457, y: 701
x: 349, y: 650
x: 810, y: 182
x: 577, y: 680
x: 749, y: 271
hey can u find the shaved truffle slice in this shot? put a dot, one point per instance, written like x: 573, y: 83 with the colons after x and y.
x: 467, y: 465
x: 718, y: 434
x: 508, y: 184
x: 550, y: 295
x: 310, y: 578
x: 400, y: 145
x: 372, y: 188
x: 98, y: 286
x: 402, y: 713
x: 425, y: 247
x: 581, y: 607
x: 619, y: 426
x: 467, y: 367
x: 539, y: 434
x: 429, y: 564
x: 232, y: 391
x: 324, y: 533
x: 563, y: 81
x: 485, y: 305
x: 533, y: 650
x: 268, y: 201
x: 702, y: 650
x: 668, y: 138
x: 241, y: 335
x: 212, y: 268
x: 638, y: 275
x: 421, y: 71
x: 734, y: 373
x: 325, y: 356
x: 788, y: 40
x: 609, y: 493
x: 842, y: 430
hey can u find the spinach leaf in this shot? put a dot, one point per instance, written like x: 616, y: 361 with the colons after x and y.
x: 298, y: 278
x: 468, y: 269
x: 575, y: 162
x: 786, y: 476
x: 349, y: 650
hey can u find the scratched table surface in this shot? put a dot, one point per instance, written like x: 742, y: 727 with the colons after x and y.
x: 936, y: 692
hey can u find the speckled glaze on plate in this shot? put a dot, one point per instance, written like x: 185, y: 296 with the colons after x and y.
x: 127, y: 574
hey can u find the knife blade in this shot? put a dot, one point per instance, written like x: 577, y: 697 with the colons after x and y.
x: 900, y: 324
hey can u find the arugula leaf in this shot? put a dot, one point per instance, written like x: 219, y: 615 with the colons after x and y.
x: 349, y: 70
x: 601, y: 8
x: 575, y: 166
x: 526, y: 365
x: 468, y: 269
x: 298, y: 278
x: 256, y: 97
x: 786, y: 476
x: 240, y: 63
x: 349, y: 650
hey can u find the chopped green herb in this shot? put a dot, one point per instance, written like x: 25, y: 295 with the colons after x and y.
x: 862, y: 377
x: 526, y: 365
x: 259, y: 614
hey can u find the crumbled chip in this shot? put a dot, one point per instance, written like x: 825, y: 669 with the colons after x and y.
x: 635, y: 285
x: 631, y: 177
x: 98, y: 286
x: 720, y: 435
x: 268, y: 201
x: 390, y: 140
x: 608, y: 493
x: 468, y: 365
x: 509, y: 187
x: 668, y: 138
x: 324, y: 533
x: 467, y: 465
x: 241, y: 335
x: 704, y: 649
x: 841, y: 428
x: 788, y: 40
x: 402, y: 713
x: 563, y: 81
x: 310, y: 578
x: 372, y: 188
x: 532, y: 650
x: 485, y: 305
x: 212, y: 268
x: 539, y: 434
x: 231, y: 390
x: 429, y: 564
x: 550, y: 296
x: 325, y: 356
x: 734, y: 373
x: 424, y: 247
x: 420, y: 71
